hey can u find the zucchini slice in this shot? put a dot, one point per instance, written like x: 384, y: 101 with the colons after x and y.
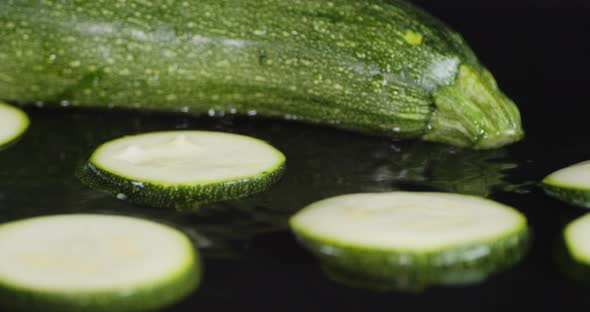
x: 577, y: 242
x: 183, y: 169
x: 570, y: 184
x: 572, y: 250
x: 13, y: 123
x: 411, y: 240
x: 85, y: 262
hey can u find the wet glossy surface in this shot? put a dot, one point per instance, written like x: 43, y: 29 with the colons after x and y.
x: 536, y: 51
x: 250, y: 257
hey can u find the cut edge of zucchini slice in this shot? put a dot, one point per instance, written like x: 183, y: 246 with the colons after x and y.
x: 520, y: 224
x: 66, y: 286
x: 19, y: 123
x: 184, y: 194
x: 382, y: 268
x: 280, y: 160
x: 575, y: 233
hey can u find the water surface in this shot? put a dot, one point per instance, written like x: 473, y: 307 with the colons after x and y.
x: 251, y: 259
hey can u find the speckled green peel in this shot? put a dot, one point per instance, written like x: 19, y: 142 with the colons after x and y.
x: 413, y: 38
x: 180, y: 197
x: 385, y: 270
x: 370, y: 66
x: 473, y: 112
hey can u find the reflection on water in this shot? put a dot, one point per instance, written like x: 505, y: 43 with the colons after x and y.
x: 37, y: 176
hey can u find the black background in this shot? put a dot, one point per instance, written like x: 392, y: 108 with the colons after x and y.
x: 538, y: 51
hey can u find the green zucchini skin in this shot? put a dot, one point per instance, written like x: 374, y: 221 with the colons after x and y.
x: 575, y: 265
x: 414, y: 272
x: 575, y: 196
x: 146, y: 299
x: 183, y: 198
x: 559, y: 185
x: 381, y: 67
x: 151, y: 296
x: 574, y: 269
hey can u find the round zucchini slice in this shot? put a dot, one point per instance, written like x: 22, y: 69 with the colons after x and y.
x: 570, y: 184
x: 13, y: 123
x: 577, y: 239
x: 572, y: 250
x: 85, y: 262
x: 183, y: 169
x: 407, y: 240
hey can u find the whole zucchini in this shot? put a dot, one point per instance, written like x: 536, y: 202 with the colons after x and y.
x: 376, y: 66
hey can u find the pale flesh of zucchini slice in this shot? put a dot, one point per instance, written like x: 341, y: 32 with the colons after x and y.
x: 13, y: 123
x: 577, y: 239
x: 420, y: 238
x: 183, y: 168
x: 84, y: 262
x: 570, y: 184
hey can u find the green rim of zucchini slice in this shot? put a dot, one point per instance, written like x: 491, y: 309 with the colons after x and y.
x: 410, y: 239
x: 577, y: 239
x: 85, y: 262
x: 13, y: 124
x: 183, y: 169
x: 570, y: 184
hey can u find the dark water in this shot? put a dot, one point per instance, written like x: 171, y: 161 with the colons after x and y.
x: 250, y: 258
x: 39, y: 176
